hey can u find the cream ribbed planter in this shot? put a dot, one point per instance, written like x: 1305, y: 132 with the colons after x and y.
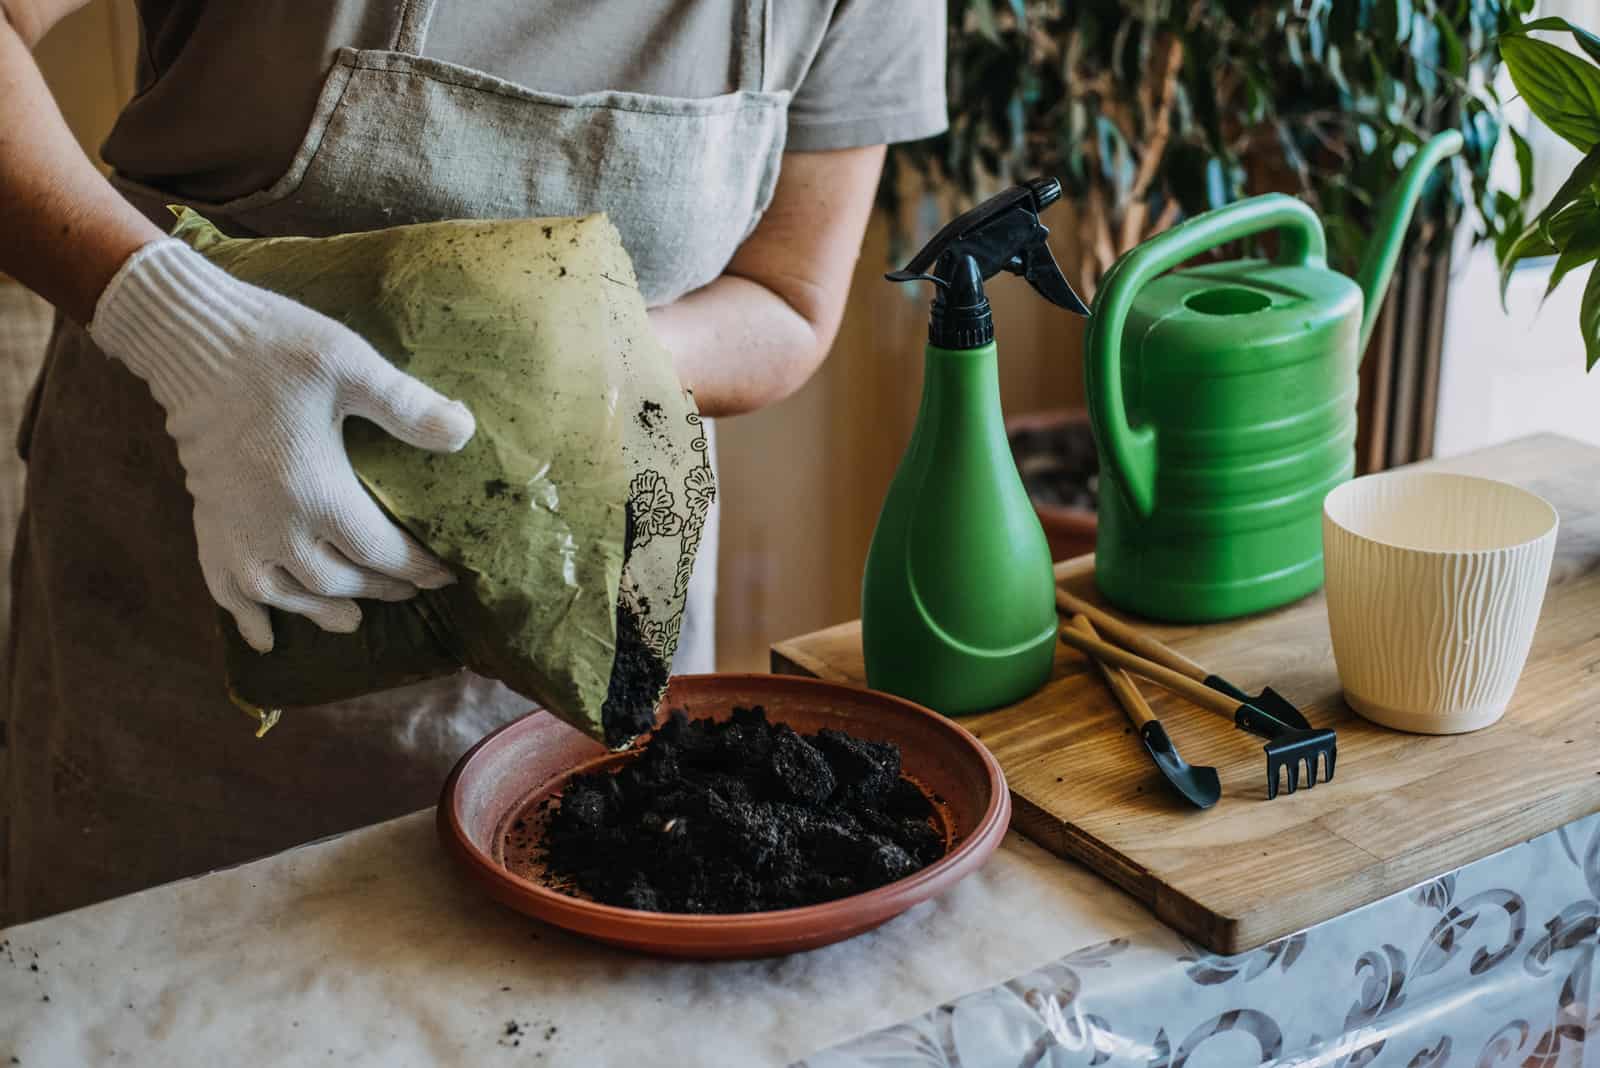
x: 1434, y: 584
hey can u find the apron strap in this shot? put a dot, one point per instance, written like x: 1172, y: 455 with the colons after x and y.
x: 413, y: 26
x: 753, y: 45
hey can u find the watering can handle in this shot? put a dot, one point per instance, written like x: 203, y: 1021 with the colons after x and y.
x: 1131, y: 452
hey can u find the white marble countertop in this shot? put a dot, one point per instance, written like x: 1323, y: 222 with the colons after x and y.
x: 371, y: 948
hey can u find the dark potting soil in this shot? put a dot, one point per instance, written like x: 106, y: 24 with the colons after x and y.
x: 638, y: 676
x: 1058, y: 465
x: 741, y: 816
x: 649, y: 414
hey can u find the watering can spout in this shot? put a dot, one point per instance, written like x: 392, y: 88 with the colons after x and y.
x: 1377, y: 264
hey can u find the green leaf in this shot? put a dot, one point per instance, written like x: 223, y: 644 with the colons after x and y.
x: 1394, y: 20
x: 983, y: 10
x: 1291, y: 151
x: 1579, y: 244
x: 1347, y: 17
x: 1425, y: 51
x: 1216, y: 184
x: 1589, y: 319
x: 1586, y: 40
x: 1455, y: 56
x: 1502, y: 217
x: 1257, y: 101
x: 1335, y: 64
x: 1478, y: 34
x: 1482, y: 132
x: 1508, y: 229
x: 1524, y: 161
x: 1565, y: 227
x: 1183, y: 111
x: 1580, y: 183
x: 1561, y: 89
x: 1530, y: 244
x: 1395, y: 110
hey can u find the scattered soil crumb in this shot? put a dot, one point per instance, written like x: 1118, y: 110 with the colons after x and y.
x: 649, y: 414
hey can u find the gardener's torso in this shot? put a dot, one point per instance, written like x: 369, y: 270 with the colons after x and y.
x: 669, y: 115
x: 121, y: 737
x: 275, y: 118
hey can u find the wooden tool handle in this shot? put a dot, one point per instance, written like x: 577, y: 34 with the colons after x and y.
x: 1129, y: 638
x: 1163, y: 676
x: 1122, y: 687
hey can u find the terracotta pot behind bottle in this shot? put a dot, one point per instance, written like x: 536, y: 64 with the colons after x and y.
x: 1068, y: 526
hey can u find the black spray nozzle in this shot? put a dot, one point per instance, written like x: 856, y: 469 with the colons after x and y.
x: 1001, y: 234
x: 960, y: 317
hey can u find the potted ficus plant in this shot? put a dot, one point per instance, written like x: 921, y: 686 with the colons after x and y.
x: 1150, y: 111
x: 1562, y: 90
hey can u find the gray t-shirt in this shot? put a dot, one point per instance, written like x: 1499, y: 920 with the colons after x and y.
x: 226, y: 91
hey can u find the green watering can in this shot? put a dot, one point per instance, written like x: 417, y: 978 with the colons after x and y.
x: 1223, y: 399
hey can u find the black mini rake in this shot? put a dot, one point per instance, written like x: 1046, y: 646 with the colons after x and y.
x: 1292, y: 743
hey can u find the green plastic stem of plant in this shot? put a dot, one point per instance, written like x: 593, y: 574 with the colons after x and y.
x: 1389, y: 235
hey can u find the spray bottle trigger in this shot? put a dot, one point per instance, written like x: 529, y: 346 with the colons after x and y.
x: 1039, y: 267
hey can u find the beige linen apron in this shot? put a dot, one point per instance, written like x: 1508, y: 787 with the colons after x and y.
x: 124, y: 764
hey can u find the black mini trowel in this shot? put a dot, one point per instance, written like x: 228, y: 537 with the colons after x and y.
x: 1197, y: 785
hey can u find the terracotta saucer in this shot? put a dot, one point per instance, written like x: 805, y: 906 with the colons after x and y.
x: 503, y: 778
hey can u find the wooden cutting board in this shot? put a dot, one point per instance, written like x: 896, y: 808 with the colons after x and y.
x: 1401, y: 809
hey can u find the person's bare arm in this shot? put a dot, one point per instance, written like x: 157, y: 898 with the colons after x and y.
x: 67, y: 230
x: 755, y: 335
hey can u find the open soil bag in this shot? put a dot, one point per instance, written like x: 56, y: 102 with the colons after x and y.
x: 572, y: 517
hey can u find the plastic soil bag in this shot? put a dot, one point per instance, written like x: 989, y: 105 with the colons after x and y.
x: 572, y: 517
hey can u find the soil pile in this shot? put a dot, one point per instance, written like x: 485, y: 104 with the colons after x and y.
x: 638, y: 676
x: 741, y: 816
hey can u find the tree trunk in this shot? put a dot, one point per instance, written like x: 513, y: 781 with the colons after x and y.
x: 1400, y: 375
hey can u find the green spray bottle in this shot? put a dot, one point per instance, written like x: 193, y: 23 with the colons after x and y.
x: 957, y: 604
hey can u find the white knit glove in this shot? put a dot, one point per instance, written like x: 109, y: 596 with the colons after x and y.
x: 256, y: 387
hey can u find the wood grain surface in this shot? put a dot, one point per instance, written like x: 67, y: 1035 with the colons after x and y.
x: 1402, y: 808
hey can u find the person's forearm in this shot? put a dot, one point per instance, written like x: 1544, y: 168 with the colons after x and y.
x: 738, y: 346
x: 67, y: 230
x: 755, y: 335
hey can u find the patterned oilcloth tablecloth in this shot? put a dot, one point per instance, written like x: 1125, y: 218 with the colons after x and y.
x: 1491, y: 965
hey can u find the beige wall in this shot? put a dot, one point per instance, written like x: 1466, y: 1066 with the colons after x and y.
x: 88, y: 62
x: 802, y: 481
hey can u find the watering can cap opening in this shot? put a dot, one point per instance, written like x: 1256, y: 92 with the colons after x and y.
x: 1228, y: 300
